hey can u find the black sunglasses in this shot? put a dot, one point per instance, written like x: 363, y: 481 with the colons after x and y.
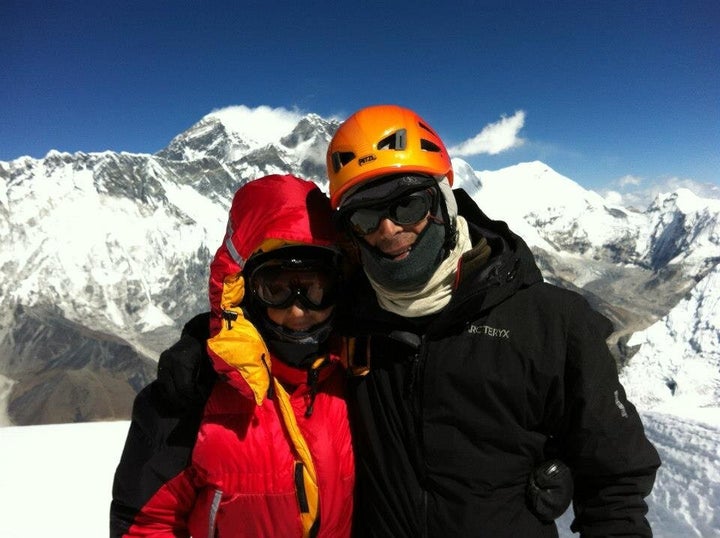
x: 275, y: 285
x: 409, y: 209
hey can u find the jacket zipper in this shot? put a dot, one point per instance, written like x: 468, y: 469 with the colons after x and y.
x: 303, y: 500
x: 415, y: 395
x: 300, y: 488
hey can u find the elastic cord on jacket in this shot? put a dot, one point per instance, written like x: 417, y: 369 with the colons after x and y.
x: 313, y: 376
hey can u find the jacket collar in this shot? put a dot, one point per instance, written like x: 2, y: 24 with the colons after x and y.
x: 294, y: 378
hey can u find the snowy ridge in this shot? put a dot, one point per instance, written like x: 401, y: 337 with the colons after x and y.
x: 557, y: 214
x: 74, y: 236
x: 553, y: 211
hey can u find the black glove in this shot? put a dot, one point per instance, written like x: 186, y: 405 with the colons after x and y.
x: 550, y: 490
x: 185, y: 374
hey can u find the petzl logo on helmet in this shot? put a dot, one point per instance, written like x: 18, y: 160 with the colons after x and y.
x: 366, y: 159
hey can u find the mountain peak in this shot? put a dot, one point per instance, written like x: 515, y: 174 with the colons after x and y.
x: 258, y: 126
x: 685, y: 201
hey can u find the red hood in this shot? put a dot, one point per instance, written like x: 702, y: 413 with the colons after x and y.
x: 266, y: 213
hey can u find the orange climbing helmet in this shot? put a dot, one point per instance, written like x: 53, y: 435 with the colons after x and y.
x: 382, y: 140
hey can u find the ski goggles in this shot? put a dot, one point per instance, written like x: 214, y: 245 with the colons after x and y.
x: 279, y: 284
x: 409, y: 209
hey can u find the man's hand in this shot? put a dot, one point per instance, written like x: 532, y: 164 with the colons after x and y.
x: 550, y: 490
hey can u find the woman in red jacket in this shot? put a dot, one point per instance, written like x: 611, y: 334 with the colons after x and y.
x: 270, y: 454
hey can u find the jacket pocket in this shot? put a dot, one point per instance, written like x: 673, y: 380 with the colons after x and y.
x: 258, y: 515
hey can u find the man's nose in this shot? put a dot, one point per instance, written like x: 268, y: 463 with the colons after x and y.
x: 388, y: 227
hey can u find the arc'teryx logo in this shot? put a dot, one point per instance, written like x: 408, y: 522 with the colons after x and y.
x: 489, y: 331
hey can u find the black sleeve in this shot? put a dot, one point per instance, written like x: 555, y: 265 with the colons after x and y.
x: 185, y: 374
x: 604, y: 442
x: 158, y: 447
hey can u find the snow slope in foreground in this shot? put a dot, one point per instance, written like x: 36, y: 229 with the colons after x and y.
x: 57, y: 480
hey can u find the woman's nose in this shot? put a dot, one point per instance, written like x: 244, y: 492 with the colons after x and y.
x: 297, y: 309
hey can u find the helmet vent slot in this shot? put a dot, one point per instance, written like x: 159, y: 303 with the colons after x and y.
x: 428, y: 129
x: 426, y: 145
x: 396, y: 141
x: 341, y: 158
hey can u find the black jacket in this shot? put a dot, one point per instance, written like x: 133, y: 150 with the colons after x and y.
x: 458, y: 408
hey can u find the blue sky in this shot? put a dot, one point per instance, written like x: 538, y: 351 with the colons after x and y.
x: 603, y: 91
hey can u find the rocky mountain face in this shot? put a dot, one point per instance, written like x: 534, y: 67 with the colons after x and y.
x: 66, y: 372
x: 106, y: 255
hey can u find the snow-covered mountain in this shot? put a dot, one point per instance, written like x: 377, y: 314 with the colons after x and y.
x: 105, y: 255
x: 556, y: 214
x: 634, y: 266
x: 252, y: 143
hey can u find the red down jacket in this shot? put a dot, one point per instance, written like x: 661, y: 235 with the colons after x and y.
x: 261, y: 464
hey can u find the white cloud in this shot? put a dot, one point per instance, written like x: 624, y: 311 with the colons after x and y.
x: 629, y: 180
x: 494, y: 138
x: 262, y: 124
x: 613, y: 198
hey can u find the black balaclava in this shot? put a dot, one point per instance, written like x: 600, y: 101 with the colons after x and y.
x: 299, y: 349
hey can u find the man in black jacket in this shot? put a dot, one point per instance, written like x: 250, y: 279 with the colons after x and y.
x: 476, y: 384
x: 471, y: 370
